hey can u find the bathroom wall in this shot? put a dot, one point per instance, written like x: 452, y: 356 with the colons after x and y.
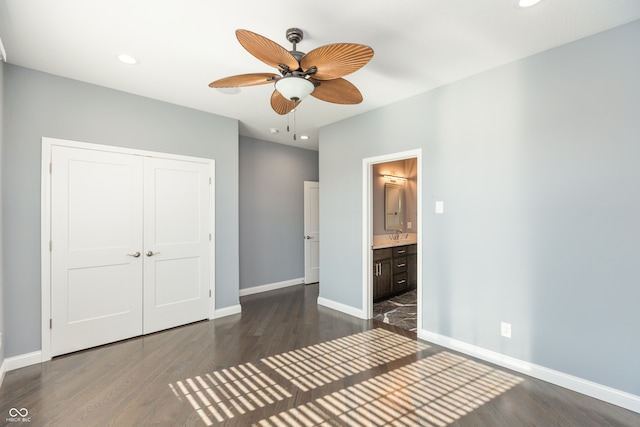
x: 406, y: 168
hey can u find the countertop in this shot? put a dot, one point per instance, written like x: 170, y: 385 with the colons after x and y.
x: 383, y: 241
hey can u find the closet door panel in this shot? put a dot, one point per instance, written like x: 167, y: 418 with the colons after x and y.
x: 176, y: 243
x: 96, y: 210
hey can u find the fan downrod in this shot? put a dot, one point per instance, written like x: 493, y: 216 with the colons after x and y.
x: 295, y: 36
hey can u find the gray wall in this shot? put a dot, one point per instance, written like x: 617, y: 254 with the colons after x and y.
x: 538, y: 165
x: 37, y: 105
x: 272, y: 210
x: 2, y: 334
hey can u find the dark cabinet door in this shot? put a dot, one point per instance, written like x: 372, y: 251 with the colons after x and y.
x: 382, y: 284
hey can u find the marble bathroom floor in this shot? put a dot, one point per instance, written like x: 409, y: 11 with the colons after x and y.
x: 400, y: 311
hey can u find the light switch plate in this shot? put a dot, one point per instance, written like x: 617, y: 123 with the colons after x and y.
x: 505, y: 329
x: 439, y: 207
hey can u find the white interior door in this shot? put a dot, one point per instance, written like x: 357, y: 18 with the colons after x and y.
x: 311, y: 232
x: 176, y: 243
x: 96, y: 232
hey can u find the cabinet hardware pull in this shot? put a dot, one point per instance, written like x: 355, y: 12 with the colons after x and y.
x: 151, y: 253
x: 400, y: 265
x: 136, y: 254
x: 401, y: 252
x: 400, y: 282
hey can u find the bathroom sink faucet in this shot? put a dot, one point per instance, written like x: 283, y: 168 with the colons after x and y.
x: 397, y: 235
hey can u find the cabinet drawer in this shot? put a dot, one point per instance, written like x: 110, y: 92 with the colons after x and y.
x: 400, y: 282
x: 399, y: 264
x: 399, y: 251
x: 380, y: 254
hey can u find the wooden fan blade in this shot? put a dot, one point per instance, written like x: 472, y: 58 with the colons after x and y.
x: 245, y: 80
x: 336, y: 60
x: 266, y: 50
x: 282, y: 105
x: 337, y: 91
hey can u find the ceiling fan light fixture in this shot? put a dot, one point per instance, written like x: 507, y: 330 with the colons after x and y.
x: 294, y: 88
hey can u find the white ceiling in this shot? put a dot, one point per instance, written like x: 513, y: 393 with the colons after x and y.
x: 183, y: 45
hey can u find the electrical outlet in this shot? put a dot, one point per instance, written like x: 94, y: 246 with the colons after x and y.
x: 505, y: 329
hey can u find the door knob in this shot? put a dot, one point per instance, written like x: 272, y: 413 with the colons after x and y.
x: 151, y: 253
x: 308, y: 237
x: 136, y: 254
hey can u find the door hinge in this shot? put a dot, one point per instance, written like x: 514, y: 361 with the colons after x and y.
x: 209, y: 236
x: 50, y: 323
x: 50, y: 245
x: 50, y: 168
x: 210, y: 180
x: 209, y: 293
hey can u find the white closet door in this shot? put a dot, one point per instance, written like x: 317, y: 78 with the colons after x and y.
x: 96, y: 223
x: 176, y: 243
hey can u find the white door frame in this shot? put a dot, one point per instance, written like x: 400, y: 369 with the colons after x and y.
x: 367, y: 227
x: 45, y: 222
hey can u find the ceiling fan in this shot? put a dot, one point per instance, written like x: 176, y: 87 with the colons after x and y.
x: 318, y: 73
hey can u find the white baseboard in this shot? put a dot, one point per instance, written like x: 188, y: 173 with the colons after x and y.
x: 2, y: 365
x: 352, y: 311
x: 28, y: 359
x: 611, y: 395
x: 3, y: 370
x: 227, y: 311
x: 270, y: 286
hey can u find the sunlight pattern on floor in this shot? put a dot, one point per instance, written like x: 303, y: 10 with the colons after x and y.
x: 435, y: 391
x: 321, y: 364
x: 230, y: 392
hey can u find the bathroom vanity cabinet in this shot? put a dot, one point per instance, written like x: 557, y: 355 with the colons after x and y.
x: 394, y: 270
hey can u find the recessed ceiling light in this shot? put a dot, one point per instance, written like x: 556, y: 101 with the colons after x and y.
x: 527, y: 3
x: 127, y: 59
x: 304, y: 137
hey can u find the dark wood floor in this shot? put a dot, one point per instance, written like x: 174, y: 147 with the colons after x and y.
x: 287, y: 362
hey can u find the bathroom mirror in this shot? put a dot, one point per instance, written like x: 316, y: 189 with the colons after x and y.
x: 393, y: 207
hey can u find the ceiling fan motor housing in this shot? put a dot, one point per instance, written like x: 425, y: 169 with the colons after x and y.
x: 294, y: 35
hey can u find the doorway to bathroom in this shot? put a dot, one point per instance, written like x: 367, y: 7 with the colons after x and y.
x: 392, y: 242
